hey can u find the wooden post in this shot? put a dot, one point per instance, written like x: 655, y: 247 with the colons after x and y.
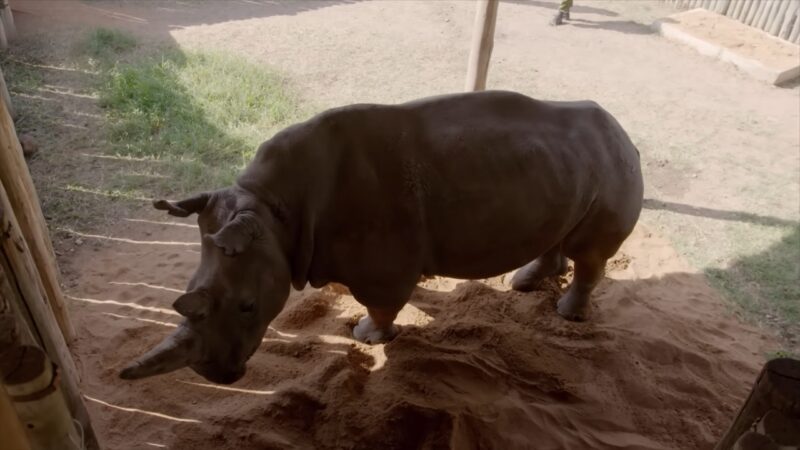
x: 5, y: 97
x: 746, y: 10
x: 777, y: 387
x: 742, y: 15
x: 16, y: 180
x: 754, y: 9
x: 33, y: 385
x: 8, y: 19
x: 19, y: 283
x: 3, y: 39
x: 775, y: 24
x: 789, y: 18
x: 762, y: 20
x: 482, y: 43
x: 14, y: 437
x: 776, y: 10
x: 793, y: 35
x: 733, y: 7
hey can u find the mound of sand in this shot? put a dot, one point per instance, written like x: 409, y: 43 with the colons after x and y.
x: 660, y: 364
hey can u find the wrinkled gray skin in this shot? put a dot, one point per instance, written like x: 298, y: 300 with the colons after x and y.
x: 374, y: 196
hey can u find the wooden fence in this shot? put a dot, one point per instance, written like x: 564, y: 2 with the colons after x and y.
x: 40, y: 381
x: 776, y: 17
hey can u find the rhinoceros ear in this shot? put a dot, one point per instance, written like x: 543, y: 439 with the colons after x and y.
x: 183, y: 208
x: 237, y: 235
x: 194, y: 305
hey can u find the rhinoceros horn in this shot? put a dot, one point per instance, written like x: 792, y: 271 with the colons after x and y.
x: 171, y: 354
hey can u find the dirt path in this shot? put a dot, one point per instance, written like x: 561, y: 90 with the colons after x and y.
x: 661, y: 365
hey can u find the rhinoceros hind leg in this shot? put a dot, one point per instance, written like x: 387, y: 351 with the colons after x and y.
x: 574, y: 305
x: 550, y: 264
x: 377, y: 327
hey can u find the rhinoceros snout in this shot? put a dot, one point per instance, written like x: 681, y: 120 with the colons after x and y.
x: 219, y: 376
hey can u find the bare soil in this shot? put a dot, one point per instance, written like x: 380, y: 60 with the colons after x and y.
x: 662, y: 364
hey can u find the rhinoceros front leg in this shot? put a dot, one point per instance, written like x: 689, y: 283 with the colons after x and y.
x: 377, y: 326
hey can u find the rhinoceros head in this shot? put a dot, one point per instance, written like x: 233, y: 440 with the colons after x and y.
x: 241, y: 285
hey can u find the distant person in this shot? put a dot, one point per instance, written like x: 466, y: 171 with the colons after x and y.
x: 563, y: 13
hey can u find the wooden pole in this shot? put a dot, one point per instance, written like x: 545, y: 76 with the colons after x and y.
x: 795, y: 33
x: 16, y: 180
x: 777, y: 387
x: 762, y: 21
x: 777, y: 20
x: 742, y: 14
x: 3, y: 39
x: 749, y: 10
x: 482, y: 43
x: 789, y: 18
x: 5, y: 97
x: 733, y: 7
x: 26, y: 291
x: 33, y: 385
x: 777, y: 10
x: 758, y: 6
x: 8, y: 19
x: 14, y: 437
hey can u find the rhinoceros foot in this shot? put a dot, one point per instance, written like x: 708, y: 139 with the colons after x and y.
x: 573, y: 306
x: 529, y: 276
x: 368, y: 332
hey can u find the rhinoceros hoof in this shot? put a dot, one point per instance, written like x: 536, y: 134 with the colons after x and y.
x: 573, y: 308
x: 367, y: 332
x: 529, y: 277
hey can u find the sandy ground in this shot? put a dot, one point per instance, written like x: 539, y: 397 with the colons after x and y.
x: 661, y: 364
x: 476, y: 366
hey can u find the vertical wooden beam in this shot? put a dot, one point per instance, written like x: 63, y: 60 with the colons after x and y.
x: 14, y: 437
x: 16, y: 180
x: 762, y: 19
x: 754, y: 10
x: 794, y: 35
x: 748, y: 8
x: 26, y: 291
x: 482, y: 43
x: 8, y: 19
x: 33, y: 385
x: 789, y: 19
x: 774, y: 26
x: 3, y: 39
x: 744, y: 7
x: 5, y: 97
x: 732, y: 7
x: 18, y: 326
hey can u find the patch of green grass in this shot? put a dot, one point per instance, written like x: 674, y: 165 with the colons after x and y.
x: 767, y: 284
x: 103, y: 43
x: 204, y: 114
x: 20, y: 76
x: 781, y: 354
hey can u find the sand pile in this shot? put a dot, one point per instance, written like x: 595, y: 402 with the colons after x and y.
x: 660, y: 364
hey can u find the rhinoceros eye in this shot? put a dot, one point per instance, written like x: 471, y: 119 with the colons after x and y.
x: 247, y: 307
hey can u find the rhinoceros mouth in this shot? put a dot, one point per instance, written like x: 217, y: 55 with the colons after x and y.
x: 219, y: 376
x: 171, y: 354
